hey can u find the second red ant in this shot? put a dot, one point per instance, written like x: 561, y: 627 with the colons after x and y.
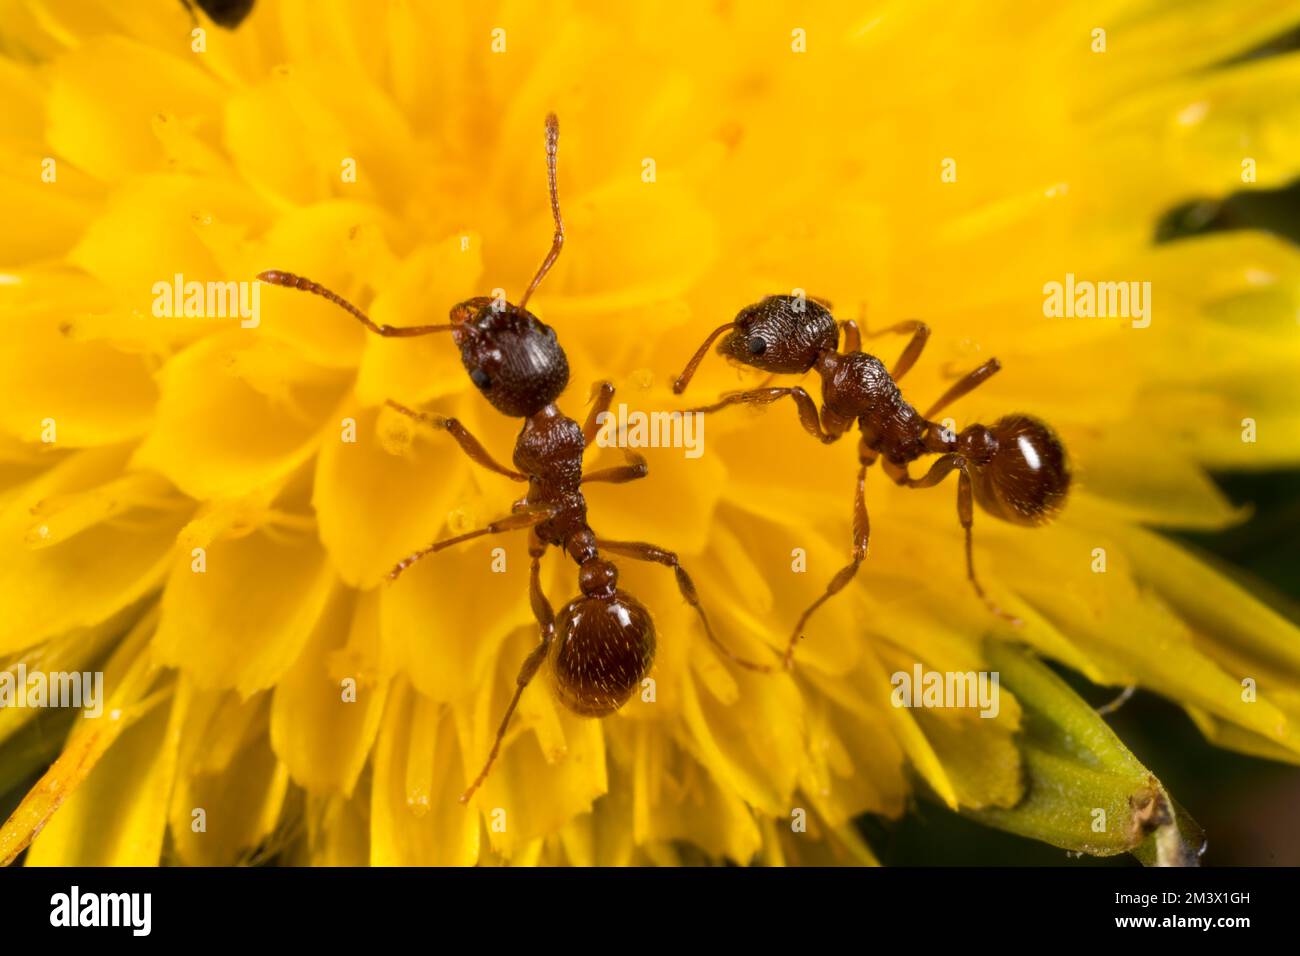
x: 1015, y: 469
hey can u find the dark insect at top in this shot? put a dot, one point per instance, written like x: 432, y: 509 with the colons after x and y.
x: 224, y: 13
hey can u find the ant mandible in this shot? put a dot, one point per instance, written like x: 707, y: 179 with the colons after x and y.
x: 1015, y: 468
x: 602, y: 643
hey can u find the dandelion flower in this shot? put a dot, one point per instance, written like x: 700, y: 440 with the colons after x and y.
x: 205, y: 508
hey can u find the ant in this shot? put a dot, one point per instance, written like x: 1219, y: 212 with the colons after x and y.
x: 224, y: 13
x: 602, y: 643
x: 1015, y: 469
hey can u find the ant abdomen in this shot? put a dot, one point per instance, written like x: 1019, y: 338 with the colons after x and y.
x: 1026, y: 478
x: 602, y: 650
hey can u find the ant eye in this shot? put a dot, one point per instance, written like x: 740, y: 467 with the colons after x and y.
x: 757, y: 346
x: 480, y: 378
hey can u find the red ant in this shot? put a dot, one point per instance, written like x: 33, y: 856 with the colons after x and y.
x: 1015, y: 469
x: 606, y: 637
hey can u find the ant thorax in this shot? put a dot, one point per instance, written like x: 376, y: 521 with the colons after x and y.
x: 857, y: 385
x: 549, y: 450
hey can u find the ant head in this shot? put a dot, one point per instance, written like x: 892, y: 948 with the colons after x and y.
x: 512, y: 357
x: 781, y: 334
x: 603, y: 648
x: 1019, y: 471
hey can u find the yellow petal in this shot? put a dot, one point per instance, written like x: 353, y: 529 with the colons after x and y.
x: 92, y: 574
x: 128, y: 677
x: 263, y: 419
x: 855, y: 765
x: 241, y: 803
x: 104, y: 94
x: 224, y: 627
x: 322, y: 728
x: 376, y: 504
x: 674, y: 798
x: 757, y: 747
x: 567, y: 782
x: 419, y: 292
x: 154, y: 228
x: 425, y: 824
x: 292, y: 134
x: 93, y: 828
x: 92, y: 393
x: 628, y: 512
x: 1149, y: 485
x: 340, y: 244
x: 53, y: 216
x: 341, y: 835
x: 68, y: 653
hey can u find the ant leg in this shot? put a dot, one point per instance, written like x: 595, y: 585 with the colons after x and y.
x: 940, y: 470
x: 861, y: 536
x: 468, y: 443
x: 603, y: 393
x: 640, y: 551
x: 852, y: 337
x: 621, y: 474
x: 532, y: 663
x: 920, y: 335
x: 765, y: 396
x: 966, y: 514
x: 291, y: 281
x: 964, y: 385
x: 636, y: 467
x: 513, y: 522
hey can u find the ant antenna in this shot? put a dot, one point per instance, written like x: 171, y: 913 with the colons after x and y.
x: 679, y: 385
x: 291, y: 281
x: 552, y: 147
